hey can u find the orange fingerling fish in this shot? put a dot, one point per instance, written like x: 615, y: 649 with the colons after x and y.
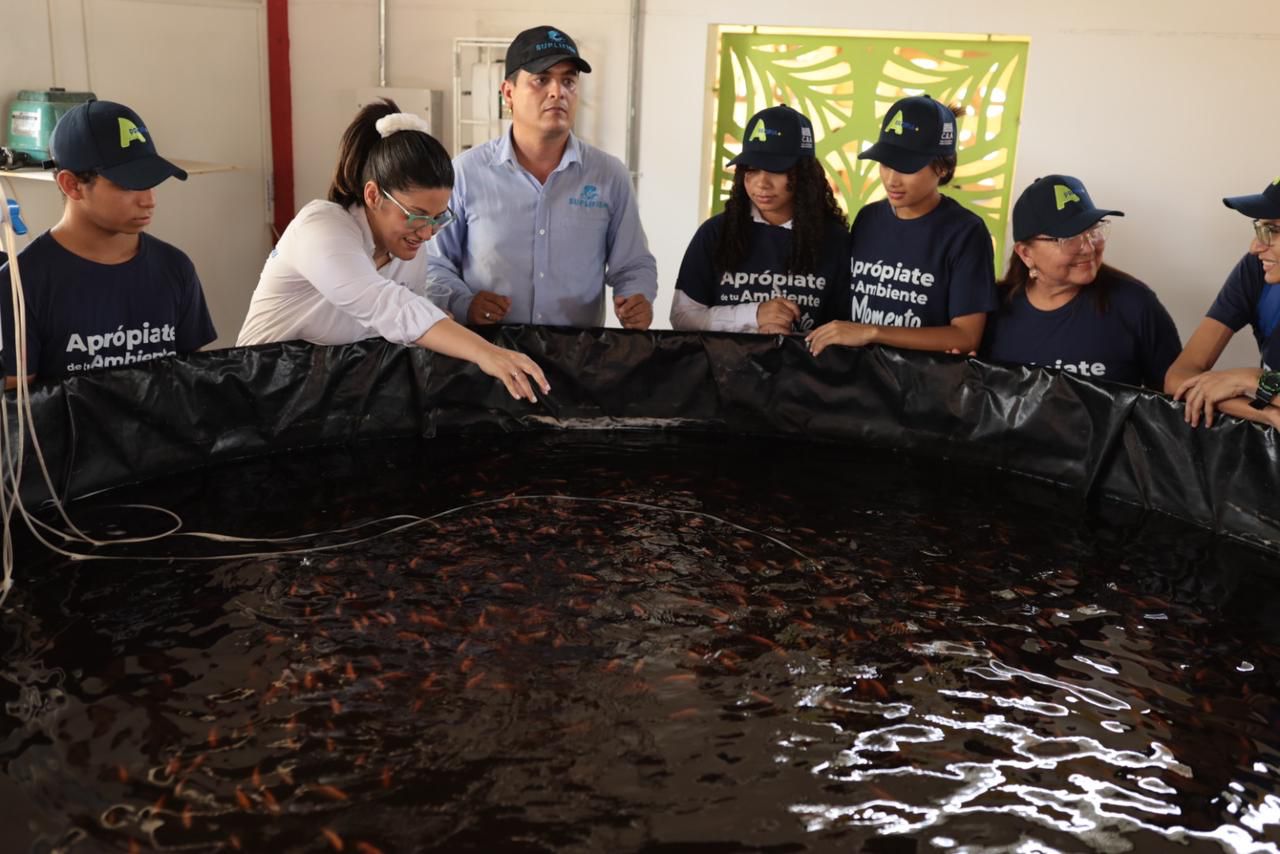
x: 334, y: 839
x: 331, y: 792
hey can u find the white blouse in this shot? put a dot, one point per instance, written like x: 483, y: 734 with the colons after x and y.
x: 320, y: 285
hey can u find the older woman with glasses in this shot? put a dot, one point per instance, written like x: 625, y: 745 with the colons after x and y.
x: 349, y: 267
x: 1250, y: 296
x: 1062, y: 308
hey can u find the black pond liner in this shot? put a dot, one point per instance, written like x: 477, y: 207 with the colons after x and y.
x: 689, y: 602
x: 1092, y: 440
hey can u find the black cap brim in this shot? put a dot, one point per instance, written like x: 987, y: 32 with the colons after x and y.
x: 143, y: 173
x: 542, y: 63
x: 1081, y: 222
x: 765, y: 161
x: 898, y: 159
x: 1257, y: 207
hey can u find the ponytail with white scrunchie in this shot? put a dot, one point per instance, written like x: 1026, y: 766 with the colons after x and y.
x: 395, y: 122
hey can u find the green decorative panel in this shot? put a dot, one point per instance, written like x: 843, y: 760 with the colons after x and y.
x: 846, y: 82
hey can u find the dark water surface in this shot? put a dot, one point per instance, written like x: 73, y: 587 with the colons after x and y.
x: 641, y: 643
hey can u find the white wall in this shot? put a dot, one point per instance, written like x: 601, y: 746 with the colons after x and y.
x: 1160, y: 108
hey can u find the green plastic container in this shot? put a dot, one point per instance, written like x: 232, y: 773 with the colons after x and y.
x: 31, y: 121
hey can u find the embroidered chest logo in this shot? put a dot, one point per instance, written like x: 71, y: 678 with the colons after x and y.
x: 589, y: 198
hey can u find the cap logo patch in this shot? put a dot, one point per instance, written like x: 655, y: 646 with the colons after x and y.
x: 948, y: 133
x: 1276, y: 182
x: 1063, y: 194
x: 130, y: 133
x: 806, y: 137
x: 555, y: 42
x: 759, y: 133
x: 894, y: 125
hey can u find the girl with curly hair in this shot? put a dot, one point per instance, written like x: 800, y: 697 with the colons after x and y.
x: 776, y: 260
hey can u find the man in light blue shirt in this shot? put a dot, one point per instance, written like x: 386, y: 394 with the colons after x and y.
x: 545, y: 220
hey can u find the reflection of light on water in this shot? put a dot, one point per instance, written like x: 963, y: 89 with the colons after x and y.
x: 1102, y: 813
x: 998, y: 671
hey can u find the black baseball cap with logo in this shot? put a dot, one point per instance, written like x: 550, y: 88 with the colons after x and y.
x: 111, y: 140
x: 1264, y: 205
x: 1056, y: 206
x: 776, y: 138
x: 915, y: 132
x: 538, y: 49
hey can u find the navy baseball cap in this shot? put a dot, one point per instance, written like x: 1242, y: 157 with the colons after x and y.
x: 776, y: 138
x: 111, y: 140
x: 1056, y: 206
x: 916, y: 131
x: 535, y: 50
x: 1265, y: 205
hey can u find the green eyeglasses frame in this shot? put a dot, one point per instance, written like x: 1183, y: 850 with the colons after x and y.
x: 417, y: 221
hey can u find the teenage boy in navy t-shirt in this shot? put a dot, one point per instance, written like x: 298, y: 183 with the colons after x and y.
x: 776, y: 260
x: 922, y: 268
x: 99, y: 291
x: 1250, y: 296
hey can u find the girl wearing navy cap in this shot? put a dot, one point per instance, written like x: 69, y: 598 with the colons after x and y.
x: 1062, y: 307
x: 922, y: 267
x: 775, y: 261
x: 1250, y: 296
x: 346, y: 267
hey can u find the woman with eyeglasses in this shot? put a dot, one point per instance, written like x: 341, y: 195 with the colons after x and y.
x: 1250, y: 296
x: 349, y: 267
x: 1061, y: 307
x: 776, y: 261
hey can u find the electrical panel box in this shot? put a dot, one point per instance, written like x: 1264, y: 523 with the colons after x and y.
x: 428, y: 103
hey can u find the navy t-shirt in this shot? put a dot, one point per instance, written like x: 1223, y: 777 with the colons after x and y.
x: 1237, y: 305
x: 83, y: 315
x: 820, y: 294
x: 923, y: 271
x: 1134, y: 341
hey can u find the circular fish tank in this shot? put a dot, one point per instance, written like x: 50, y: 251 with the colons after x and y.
x: 712, y: 595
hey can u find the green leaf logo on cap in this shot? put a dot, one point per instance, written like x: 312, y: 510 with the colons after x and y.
x: 1276, y: 182
x: 1063, y: 194
x: 129, y: 133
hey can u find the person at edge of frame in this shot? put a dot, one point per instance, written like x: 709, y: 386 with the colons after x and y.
x: 100, y: 292
x: 922, y: 267
x: 545, y: 221
x: 776, y: 260
x: 1250, y: 296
